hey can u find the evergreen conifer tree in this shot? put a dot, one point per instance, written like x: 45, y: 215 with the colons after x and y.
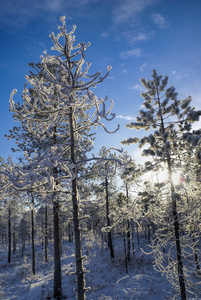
x: 60, y: 97
x: 168, y: 119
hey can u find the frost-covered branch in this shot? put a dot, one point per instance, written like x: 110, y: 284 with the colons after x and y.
x: 39, y: 171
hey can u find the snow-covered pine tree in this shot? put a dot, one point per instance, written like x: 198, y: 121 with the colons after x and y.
x: 169, y: 119
x: 31, y: 143
x: 61, y: 95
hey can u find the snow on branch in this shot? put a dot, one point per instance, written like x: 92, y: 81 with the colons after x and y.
x: 129, y: 141
x: 39, y: 172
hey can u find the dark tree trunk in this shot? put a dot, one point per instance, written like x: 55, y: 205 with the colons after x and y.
x: 57, y: 252
x: 178, y: 250
x: 78, y: 245
x: 138, y: 238
x: 9, y: 235
x: 61, y: 240
x: 177, y: 236
x: 69, y: 232
x: 14, y: 231
x: 57, y: 242
x: 128, y: 231
x: 22, y: 246
x: 46, y: 237
x: 128, y: 241
x: 132, y: 226
x: 76, y: 222
x: 108, y: 220
x: 32, y: 236
x: 42, y: 235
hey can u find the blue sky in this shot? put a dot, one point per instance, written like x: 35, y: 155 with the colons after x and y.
x: 133, y: 36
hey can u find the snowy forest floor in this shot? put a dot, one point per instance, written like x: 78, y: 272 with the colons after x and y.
x: 108, y: 280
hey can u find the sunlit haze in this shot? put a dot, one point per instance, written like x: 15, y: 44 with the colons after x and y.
x: 162, y: 176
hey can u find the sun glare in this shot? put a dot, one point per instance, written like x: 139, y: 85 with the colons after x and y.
x: 162, y: 176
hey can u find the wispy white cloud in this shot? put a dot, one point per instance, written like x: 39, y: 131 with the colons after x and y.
x: 159, y: 20
x: 128, y: 10
x: 105, y: 34
x: 142, y: 67
x: 136, y: 52
x: 137, y: 87
x: 182, y: 74
x: 139, y: 37
x: 128, y: 118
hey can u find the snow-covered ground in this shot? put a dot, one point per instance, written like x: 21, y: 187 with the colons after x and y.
x: 107, y: 279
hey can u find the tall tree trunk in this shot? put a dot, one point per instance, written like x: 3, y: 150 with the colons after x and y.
x: 76, y: 222
x: 61, y: 239
x: 57, y: 242
x: 177, y: 235
x: 14, y: 229
x: 128, y: 240
x: 69, y: 232
x: 46, y: 238
x: 9, y: 235
x: 57, y: 252
x: 108, y: 219
x: 138, y: 238
x: 178, y: 250
x: 128, y: 230
x: 32, y: 236
x: 42, y: 235
x: 132, y: 226
x: 78, y: 245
